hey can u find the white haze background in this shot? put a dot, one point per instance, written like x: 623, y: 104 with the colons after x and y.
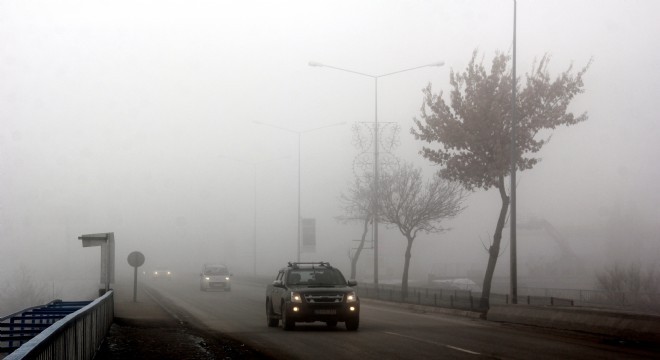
x: 138, y: 118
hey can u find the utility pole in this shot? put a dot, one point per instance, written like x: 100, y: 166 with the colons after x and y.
x: 514, y: 267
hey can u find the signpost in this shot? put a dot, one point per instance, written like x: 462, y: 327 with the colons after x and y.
x: 135, y: 259
x: 309, y: 235
x: 107, y: 243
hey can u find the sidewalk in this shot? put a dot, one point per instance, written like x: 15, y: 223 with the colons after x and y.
x: 145, y: 330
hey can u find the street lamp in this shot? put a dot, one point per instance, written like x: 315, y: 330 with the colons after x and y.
x: 514, y: 259
x: 254, y: 224
x: 299, y: 132
x: 375, y: 77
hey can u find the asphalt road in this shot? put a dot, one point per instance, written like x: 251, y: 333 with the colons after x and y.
x: 386, y: 332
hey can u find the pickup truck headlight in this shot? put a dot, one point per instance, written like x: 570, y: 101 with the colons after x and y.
x: 227, y: 278
x: 207, y: 278
x: 351, y: 297
x: 296, y: 298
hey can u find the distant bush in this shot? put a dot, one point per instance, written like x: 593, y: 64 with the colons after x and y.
x: 631, y: 286
x: 631, y: 279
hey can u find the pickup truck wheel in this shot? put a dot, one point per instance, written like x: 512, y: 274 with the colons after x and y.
x: 287, y: 322
x: 270, y: 319
x: 352, y: 324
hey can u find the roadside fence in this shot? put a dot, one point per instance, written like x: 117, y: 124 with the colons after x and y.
x: 470, y: 300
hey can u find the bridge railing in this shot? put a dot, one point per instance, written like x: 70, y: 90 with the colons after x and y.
x: 77, y: 336
x: 21, y: 326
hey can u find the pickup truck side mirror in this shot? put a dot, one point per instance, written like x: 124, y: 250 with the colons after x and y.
x: 351, y: 283
x: 278, y: 283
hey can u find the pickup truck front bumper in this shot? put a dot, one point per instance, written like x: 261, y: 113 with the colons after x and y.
x: 305, y: 312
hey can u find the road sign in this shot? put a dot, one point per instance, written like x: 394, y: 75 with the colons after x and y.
x: 309, y: 235
x: 135, y: 259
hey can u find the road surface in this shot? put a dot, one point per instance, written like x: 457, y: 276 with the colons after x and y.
x: 386, y: 332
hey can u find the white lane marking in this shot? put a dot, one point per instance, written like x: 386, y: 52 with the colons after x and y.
x: 433, y: 343
x: 463, y: 350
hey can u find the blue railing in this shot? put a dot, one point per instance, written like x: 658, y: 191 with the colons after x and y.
x: 58, y: 330
x: 21, y: 326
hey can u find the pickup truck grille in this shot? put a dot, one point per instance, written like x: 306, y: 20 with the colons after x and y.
x: 324, y: 298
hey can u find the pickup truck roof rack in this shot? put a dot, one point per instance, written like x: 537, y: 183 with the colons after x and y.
x: 295, y: 265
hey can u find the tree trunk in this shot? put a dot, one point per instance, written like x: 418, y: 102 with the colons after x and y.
x: 494, y: 250
x: 404, y: 280
x: 355, y: 258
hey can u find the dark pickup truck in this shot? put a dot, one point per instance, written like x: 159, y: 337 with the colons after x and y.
x: 308, y: 292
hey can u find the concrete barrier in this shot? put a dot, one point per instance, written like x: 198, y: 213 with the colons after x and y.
x: 623, y: 325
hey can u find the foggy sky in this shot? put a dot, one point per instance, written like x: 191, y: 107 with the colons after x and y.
x: 138, y: 117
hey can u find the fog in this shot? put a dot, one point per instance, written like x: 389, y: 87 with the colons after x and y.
x: 146, y: 119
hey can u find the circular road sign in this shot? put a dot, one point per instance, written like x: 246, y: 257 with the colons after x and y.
x: 135, y: 259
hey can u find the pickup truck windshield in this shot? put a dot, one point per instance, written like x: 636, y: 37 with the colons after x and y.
x: 216, y: 271
x: 312, y: 277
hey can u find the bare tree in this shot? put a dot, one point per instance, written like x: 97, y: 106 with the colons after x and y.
x: 411, y: 205
x: 631, y: 285
x: 617, y: 279
x: 22, y: 292
x: 357, y: 203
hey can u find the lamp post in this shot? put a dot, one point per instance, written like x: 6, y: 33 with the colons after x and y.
x: 299, y: 132
x: 375, y: 202
x: 254, y: 223
x: 512, y: 232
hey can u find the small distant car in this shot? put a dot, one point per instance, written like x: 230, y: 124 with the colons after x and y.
x: 162, y: 274
x: 215, y: 277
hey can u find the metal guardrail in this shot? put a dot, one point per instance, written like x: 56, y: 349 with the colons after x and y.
x: 449, y: 298
x: 456, y: 299
x: 74, y: 331
x: 468, y: 300
x: 640, y: 302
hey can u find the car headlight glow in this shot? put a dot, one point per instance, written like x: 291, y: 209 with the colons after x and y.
x: 351, y: 297
x: 296, y: 298
x: 207, y: 278
x: 227, y: 278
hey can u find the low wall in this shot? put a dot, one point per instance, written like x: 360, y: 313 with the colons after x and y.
x: 623, y: 325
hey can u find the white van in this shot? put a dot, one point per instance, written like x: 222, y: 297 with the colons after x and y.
x: 215, y: 277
